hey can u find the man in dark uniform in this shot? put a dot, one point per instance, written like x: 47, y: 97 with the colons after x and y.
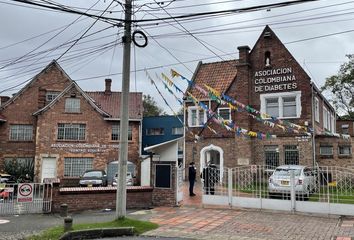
x: 192, y: 174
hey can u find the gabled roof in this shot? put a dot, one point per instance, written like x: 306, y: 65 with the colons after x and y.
x: 162, y: 144
x: 52, y: 64
x: 218, y: 75
x: 2, y: 118
x: 66, y: 90
x: 110, y: 103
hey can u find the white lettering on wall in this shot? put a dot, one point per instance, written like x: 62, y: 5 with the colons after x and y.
x: 85, y: 147
x: 278, y: 79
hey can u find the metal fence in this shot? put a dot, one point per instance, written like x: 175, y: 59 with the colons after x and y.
x: 25, y: 198
x: 320, y: 189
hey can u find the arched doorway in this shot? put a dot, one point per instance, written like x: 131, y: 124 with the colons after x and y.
x: 214, y: 155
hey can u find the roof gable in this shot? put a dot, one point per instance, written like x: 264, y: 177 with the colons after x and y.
x: 63, y: 93
x: 53, y: 64
x: 279, y: 54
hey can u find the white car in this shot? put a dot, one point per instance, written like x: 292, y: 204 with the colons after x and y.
x: 304, y: 179
x: 129, y: 179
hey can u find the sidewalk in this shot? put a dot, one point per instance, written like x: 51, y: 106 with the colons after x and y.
x: 202, y: 223
x: 206, y: 223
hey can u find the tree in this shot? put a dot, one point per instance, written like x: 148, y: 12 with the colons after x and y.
x: 341, y: 86
x: 150, y: 107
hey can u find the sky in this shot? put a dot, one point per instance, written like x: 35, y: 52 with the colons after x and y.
x: 318, y: 34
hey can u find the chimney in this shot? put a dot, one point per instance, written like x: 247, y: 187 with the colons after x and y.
x: 243, y: 53
x: 108, y: 86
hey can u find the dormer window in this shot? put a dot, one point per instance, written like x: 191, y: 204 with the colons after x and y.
x: 49, y: 96
x: 72, y: 105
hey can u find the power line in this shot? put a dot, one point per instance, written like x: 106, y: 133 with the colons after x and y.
x: 84, y: 33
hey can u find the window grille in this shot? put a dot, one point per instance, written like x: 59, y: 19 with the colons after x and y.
x: 345, y: 150
x: 74, y: 167
x: 291, y: 154
x: 177, y: 131
x: 116, y: 133
x: 72, y: 105
x: 271, y: 156
x: 21, y: 132
x: 326, y: 150
x: 71, y: 131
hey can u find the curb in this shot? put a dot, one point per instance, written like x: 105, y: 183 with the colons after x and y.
x: 98, y: 233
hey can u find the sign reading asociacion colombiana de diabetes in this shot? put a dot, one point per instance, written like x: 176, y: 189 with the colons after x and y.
x: 277, y: 79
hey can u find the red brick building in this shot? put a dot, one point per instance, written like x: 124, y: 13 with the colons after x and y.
x: 275, y: 109
x: 63, y: 129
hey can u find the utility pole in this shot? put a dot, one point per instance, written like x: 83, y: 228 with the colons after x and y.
x: 124, y: 116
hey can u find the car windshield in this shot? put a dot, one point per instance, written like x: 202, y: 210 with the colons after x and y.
x: 93, y: 174
x: 286, y: 172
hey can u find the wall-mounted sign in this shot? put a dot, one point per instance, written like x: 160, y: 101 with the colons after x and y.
x: 85, y: 147
x: 25, y: 192
x: 277, y: 79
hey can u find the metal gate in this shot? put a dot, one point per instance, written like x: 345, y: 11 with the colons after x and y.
x: 25, y: 198
x: 330, y: 190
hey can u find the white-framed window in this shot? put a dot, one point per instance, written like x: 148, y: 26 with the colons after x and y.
x: 49, y: 96
x: 75, y: 167
x: 344, y: 150
x: 317, y: 110
x: 225, y: 113
x: 326, y: 150
x: 177, y: 130
x: 328, y: 120
x: 282, y: 105
x: 333, y: 123
x: 72, y: 105
x: 68, y: 131
x: 155, y: 131
x: 21, y: 132
x: 115, y: 136
x: 196, y: 117
x: 345, y: 128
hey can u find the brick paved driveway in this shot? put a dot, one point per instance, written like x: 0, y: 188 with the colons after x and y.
x: 204, y: 223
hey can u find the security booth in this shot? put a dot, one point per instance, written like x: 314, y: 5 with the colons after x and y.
x: 165, y: 176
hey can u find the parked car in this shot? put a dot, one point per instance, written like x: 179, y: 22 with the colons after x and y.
x: 93, y: 178
x: 304, y: 179
x: 129, y: 179
x: 6, y: 178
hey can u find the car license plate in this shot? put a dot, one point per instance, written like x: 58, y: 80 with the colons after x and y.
x: 89, y: 184
x: 284, y: 182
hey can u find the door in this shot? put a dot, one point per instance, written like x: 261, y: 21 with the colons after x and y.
x: 49, y: 168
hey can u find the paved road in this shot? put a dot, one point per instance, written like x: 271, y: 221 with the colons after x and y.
x: 202, y: 223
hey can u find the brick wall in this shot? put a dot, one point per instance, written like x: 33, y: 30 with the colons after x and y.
x: 98, y: 131
x: 80, y: 199
x: 164, y: 196
x: 21, y: 109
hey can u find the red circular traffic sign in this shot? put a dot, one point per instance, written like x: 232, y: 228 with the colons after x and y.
x: 25, y: 190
